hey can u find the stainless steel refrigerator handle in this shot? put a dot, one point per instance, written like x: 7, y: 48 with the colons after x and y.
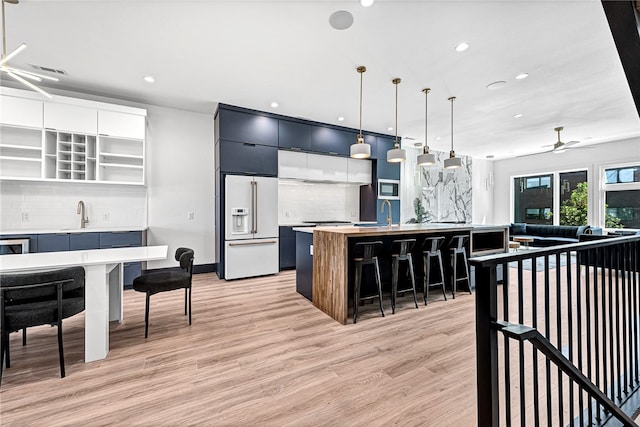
x: 256, y: 211
x: 253, y: 207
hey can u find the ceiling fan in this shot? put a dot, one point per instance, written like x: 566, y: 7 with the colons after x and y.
x: 17, y: 73
x: 561, y: 147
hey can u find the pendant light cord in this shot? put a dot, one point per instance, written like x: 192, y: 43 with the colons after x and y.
x: 395, y: 142
x: 4, y: 34
x: 426, y: 91
x: 361, y: 72
x: 452, y: 99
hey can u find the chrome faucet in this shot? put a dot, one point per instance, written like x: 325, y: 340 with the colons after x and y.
x: 81, y: 211
x: 386, y: 202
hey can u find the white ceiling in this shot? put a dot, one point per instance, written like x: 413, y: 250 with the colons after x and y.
x: 250, y: 53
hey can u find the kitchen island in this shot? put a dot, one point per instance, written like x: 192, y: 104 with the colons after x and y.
x: 331, y: 252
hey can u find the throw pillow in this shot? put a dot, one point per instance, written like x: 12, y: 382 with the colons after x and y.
x: 519, y: 228
x: 583, y: 229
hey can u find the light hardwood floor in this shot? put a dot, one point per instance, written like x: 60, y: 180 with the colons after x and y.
x: 257, y: 354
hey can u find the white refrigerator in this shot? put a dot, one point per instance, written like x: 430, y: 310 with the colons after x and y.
x: 251, y: 226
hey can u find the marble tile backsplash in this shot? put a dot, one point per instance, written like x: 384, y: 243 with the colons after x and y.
x: 28, y: 205
x: 314, y: 201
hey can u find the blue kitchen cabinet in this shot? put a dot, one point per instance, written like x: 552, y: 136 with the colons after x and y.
x: 123, y: 239
x: 84, y: 241
x: 53, y: 242
x: 294, y: 136
x: 327, y: 140
x: 241, y: 126
x: 247, y: 159
x: 386, y: 170
x: 372, y: 140
x: 287, y: 247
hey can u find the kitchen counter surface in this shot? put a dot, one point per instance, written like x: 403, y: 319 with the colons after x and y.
x: 72, y: 230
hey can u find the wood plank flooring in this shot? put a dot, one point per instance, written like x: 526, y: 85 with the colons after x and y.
x: 257, y: 353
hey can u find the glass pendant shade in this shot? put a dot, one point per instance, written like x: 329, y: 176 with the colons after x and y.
x: 396, y: 154
x: 426, y: 159
x: 453, y: 162
x: 360, y: 150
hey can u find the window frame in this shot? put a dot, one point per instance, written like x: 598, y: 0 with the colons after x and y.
x: 618, y: 186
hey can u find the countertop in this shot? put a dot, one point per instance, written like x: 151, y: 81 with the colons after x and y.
x: 400, y: 229
x: 72, y: 230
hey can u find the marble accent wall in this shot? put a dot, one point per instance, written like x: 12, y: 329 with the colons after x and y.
x: 446, y: 194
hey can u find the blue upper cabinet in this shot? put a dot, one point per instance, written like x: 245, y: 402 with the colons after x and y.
x: 373, y: 142
x: 386, y: 170
x: 248, y: 159
x: 294, y: 135
x: 332, y: 141
x: 246, y: 127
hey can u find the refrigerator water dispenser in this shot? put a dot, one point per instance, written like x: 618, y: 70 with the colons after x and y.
x: 240, y: 221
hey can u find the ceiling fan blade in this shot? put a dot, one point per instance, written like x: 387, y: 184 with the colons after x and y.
x: 24, y: 73
x: 13, y: 53
x: 29, y: 84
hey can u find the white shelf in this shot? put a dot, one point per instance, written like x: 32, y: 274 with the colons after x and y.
x: 21, y: 159
x: 20, y: 147
x: 120, y: 165
x: 121, y: 156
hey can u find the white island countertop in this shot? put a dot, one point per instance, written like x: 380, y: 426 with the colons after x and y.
x: 72, y: 230
x: 22, y: 262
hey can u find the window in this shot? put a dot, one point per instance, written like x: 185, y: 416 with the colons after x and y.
x: 533, y: 199
x: 622, y: 197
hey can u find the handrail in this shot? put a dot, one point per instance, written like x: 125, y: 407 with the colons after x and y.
x: 527, y: 333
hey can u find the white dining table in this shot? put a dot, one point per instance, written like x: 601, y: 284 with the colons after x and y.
x: 103, y: 284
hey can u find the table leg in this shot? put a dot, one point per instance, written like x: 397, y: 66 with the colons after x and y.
x: 103, y: 302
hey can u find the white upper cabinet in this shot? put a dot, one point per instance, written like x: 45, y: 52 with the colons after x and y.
x: 123, y: 125
x: 70, y: 118
x: 20, y: 111
x: 326, y: 168
x: 292, y: 165
x: 359, y: 171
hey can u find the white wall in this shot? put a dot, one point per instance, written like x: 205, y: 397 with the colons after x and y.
x: 594, y: 159
x: 483, y: 184
x: 180, y: 177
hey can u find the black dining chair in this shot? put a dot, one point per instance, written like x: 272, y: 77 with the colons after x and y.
x: 38, y: 298
x: 161, y: 281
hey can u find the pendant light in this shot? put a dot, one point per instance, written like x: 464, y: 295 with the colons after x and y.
x: 426, y: 158
x: 18, y: 73
x: 360, y: 150
x: 452, y: 162
x: 396, y: 154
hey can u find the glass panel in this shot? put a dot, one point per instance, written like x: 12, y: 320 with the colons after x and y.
x: 533, y: 199
x: 622, y: 175
x: 574, y: 198
x: 622, y: 209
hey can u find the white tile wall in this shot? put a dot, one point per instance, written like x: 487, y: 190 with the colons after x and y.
x: 310, y: 201
x: 52, y: 205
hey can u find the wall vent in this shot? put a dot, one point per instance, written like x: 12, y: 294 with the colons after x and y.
x: 49, y: 69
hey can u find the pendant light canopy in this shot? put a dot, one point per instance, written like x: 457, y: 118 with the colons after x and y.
x: 396, y: 154
x: 18, y: 73
x: 452, y: 162
x: 360, y: 150
x: 426, y: 158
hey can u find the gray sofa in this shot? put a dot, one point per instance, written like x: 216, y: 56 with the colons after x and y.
x: 551, y: 235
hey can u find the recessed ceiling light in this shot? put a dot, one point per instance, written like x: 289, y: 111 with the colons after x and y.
x: 390, y: 128
x: 340, y: 119
x: 274, y: 104
x: 496, y: 85
x: 522, y: 76
x: 149, y: 79
x: 517, y: 116
x: 366, y: 3
x: 341, y: 20
x: 438, y: 138
x: 461, y: 47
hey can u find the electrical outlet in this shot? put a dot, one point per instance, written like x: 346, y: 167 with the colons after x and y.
x: 25, y: 216
x: 191, y: 215
x: 106, y: 217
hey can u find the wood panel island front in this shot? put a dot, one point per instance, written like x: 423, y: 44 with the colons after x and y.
x: 330, y: 255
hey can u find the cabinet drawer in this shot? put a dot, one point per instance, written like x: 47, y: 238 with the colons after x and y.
x: 246, y: 127
x: 83, y: 241
x: 120, y: 239
x: 53, y: 242
x: 250, y: 159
